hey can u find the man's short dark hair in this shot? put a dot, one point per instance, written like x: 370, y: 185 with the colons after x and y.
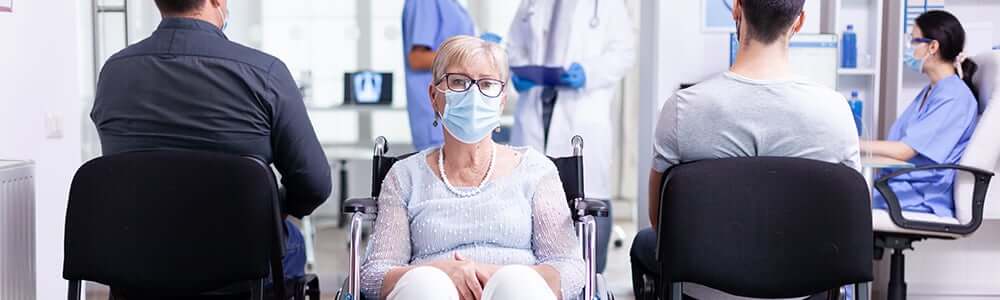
x: 179, y: 6
x: 770, y: 19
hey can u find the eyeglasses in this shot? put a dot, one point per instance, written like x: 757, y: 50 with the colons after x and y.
x: 457, y: 82
x: 914, y: 41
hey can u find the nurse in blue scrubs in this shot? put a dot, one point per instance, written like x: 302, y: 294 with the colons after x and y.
x: 936, y: 127
x: 427, y: 23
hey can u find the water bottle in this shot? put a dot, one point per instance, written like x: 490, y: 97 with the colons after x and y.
x: 857, y: 109
x: 849, y: 49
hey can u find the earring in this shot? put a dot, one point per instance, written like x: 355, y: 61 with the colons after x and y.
x: 435, y: 122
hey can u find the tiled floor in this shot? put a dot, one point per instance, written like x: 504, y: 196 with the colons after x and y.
x: 332, y: 259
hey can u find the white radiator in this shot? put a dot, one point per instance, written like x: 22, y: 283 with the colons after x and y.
x: 17, y: 230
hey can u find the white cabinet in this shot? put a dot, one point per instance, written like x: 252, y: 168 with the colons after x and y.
x: 866, y: 17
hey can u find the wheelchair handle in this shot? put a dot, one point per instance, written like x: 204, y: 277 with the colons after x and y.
x: 577, y: 145
x: 381, y: 146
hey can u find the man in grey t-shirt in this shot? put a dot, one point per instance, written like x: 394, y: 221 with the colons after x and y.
x: 757, y: 108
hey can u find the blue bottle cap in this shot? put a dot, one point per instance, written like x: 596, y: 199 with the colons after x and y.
x: 850, y: 26
x: 854, y: 94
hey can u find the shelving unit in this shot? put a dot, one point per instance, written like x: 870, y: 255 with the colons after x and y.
x: 866, y: 16
x: 857, y: 72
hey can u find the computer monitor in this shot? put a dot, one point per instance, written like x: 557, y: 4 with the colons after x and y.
x: 813, y: 56
x: 368, y: 88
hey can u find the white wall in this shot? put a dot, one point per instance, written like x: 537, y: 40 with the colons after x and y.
x: 40, y: 75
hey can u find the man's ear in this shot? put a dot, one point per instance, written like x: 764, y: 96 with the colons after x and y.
x: 737, y: 10
x: 799, y: 22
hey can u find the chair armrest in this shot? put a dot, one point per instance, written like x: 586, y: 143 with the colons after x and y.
x: 982, y: 182
x: 360, y: 205
x: 592, y: 207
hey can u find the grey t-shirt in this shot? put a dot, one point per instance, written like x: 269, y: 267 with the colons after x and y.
x: 734, y: 116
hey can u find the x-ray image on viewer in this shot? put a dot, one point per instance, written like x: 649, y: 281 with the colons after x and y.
x: 591, y: 42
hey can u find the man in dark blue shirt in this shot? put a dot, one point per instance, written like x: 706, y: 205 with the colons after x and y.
x: 188, y: 87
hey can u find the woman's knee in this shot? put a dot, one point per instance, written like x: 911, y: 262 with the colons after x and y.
x: 517, y: 282
x: 424, y: 283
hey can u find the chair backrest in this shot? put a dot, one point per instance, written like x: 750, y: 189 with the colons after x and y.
x: 171, y: 222
x: 765, y: 227
x: 983, y: 150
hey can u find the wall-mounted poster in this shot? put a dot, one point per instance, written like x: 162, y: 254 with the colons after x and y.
x: 718, y: 16
x: 6, y: 5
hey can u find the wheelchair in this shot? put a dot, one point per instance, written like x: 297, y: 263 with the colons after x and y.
x: 584, y: 213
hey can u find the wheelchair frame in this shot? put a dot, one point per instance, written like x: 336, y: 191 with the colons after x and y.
x: 584, y: 213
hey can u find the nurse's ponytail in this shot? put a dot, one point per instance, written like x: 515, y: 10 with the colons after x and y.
x: 966, y: 69
x: 944, y: 28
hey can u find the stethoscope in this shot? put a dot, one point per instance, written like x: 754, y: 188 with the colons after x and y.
x: 594, y: 19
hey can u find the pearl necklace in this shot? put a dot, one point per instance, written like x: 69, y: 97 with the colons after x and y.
x: 474, y: 191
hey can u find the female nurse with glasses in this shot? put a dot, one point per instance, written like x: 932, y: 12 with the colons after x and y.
x: 937, y: 125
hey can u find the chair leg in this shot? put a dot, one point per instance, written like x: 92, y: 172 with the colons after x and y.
x: 309, y: 237
x: 862, y: 291
x: 897, y: 281
x: 74, y: 290
x: 676, y: 291
x: 257, y: 290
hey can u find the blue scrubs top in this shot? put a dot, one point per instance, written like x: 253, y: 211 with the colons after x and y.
x: 939, y: 130
x: 428, y: 23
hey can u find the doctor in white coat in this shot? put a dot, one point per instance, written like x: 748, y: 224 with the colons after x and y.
x: 597, y: 36
x: 593, y: 41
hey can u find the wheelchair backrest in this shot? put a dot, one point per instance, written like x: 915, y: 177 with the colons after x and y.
x: 380, y: 169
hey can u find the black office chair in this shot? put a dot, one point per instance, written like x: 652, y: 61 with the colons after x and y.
x: 764, y: 227
x: 584, y: 212
x: 179, y: 224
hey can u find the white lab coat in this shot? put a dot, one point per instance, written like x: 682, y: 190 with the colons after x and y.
x: 606, y: 53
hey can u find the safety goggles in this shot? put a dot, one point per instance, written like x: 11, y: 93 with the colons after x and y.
x: 914, y: 41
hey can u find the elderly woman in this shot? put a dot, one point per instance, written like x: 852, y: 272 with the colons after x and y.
x: 472, y: 219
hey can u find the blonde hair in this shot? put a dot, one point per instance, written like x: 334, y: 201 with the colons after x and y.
x: 462, y: 49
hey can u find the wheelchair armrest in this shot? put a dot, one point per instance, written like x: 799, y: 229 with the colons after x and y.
x: 592, y: 207
x: 982, y: 182
x: 360, y: 205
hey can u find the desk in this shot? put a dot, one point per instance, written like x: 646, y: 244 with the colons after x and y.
x: 872, y: 163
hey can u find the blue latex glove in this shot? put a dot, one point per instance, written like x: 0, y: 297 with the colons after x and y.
x: 522, y: 84
x: 491, y: 37
x: 574, y: 77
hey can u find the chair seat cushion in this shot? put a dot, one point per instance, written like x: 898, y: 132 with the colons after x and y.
x: 881, y: 222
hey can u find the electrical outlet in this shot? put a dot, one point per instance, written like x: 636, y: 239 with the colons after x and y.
x: 53, y: 126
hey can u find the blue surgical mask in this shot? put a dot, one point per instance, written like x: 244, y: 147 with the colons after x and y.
x: 911, y: 62
x: 225, y: 18
x: 469, y: 116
